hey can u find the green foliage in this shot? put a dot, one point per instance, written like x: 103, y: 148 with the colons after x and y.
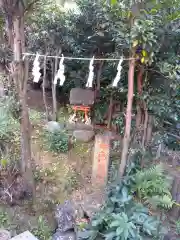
x: 150, y: 185
x: 119, y: 121
x: 46, y: 32
x: 35, y: 116
x: 172, y: 142
x: 57, y: 141
x: 123, y: 218
x: 4, y: 220
x: 103, y: 29
x: 100, y: 110
x: 41, y: 173
x: 178, y: 227
x: 7, y: 124
x: 154, y: 39
x: 71, y: 182
x: 42, y: 232
x: 153, y: 186
x: 9, y: 133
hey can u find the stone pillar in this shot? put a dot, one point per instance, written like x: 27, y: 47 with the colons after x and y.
x: 101, y: 160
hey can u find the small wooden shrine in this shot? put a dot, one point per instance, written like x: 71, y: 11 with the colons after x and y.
x: 81, y: 100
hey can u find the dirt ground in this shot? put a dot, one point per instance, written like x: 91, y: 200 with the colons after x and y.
x: 58, y: 177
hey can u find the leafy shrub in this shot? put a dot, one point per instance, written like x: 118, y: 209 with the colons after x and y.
x: 12, y: 106
x: 123, y: 218
x: 153, y: 186
x: 150, y: 185
x: 57, y: 141
x: 42, y: 232
x: 7, y: 124
x: 119, y: 121
x: 9, y: 128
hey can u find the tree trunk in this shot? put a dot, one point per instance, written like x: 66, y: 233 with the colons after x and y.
x: 127, y: 132
x: 17, y: 40
x: 9, y: 30
x: 149, y: 129
x: 21, y: 78
x: 26, y: 165
x: 144, y: 139
x: 175, y: 212
x: 138, y: 104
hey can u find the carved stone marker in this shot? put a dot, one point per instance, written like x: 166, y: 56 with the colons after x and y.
x: 101, y: 160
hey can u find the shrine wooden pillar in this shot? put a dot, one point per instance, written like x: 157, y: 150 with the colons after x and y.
x: 101, y: 160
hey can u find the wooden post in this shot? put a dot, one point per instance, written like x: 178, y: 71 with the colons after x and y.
x: 101, y: 160
x: 44, y: 91
x: 55, y: 67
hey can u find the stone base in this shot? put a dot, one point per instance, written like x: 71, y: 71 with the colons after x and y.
x: 78, y: 126
x: 83, y: 135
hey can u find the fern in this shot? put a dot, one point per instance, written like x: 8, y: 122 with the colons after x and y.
x: 164, y: 201
x: 148, y: 174
x: 153, y: 186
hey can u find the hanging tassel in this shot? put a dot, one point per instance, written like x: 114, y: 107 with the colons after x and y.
x: 36, y: 69
x: 118, y: 75
x: 60, y: 73
x: 91, y: 74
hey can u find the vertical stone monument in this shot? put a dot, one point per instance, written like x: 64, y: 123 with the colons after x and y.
x: 101, y: 160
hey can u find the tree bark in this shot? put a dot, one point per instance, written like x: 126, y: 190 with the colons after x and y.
x: 127, y: 132
x: 138, y: 104
x: 149, y: 129
x: 144, y: 139
x: 21, y: 78
x: 9, y: 30
x: 175, y: 212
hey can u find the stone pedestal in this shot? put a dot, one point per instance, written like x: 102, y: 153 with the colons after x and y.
x: 101, y: 160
